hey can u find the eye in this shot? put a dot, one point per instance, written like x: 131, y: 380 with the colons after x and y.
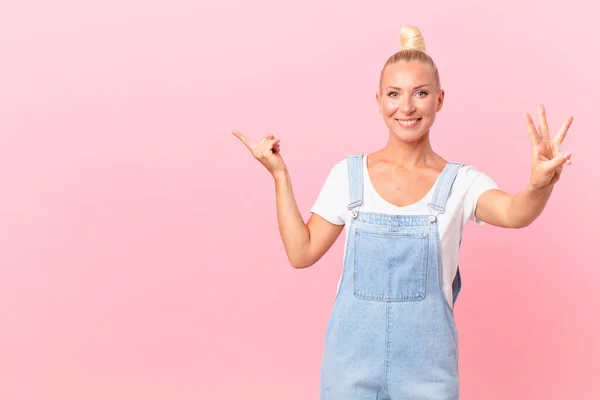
x: 393, y: 94
x: 421, y: 94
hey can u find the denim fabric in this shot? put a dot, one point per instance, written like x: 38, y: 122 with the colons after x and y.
x: 391, y: 334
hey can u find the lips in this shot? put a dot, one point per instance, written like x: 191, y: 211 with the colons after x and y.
x: 408, y: 123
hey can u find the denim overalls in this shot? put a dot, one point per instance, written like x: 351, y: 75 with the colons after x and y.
x: 391, y: 334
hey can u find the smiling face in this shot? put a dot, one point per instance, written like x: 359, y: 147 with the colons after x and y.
x: 409, y: 98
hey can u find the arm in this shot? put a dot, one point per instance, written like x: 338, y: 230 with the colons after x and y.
x: 304, y: 243
x: 520, y: 210
x: 498, y: 208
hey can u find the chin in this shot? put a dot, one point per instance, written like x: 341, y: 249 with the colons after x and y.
x: 407, y: 136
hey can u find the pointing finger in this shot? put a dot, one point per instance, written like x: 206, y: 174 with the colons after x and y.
x: 533, y: 134
x: 247, y: 142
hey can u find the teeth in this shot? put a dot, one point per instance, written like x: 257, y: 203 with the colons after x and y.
x: 408, y: 123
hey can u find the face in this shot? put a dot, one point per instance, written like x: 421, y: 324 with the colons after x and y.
x: 409, y: 99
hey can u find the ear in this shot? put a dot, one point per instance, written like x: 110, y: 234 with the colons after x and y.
x: 440, y: 101
x: 378, y: 99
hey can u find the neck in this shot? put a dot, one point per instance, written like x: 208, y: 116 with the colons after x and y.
x: 409, y: 154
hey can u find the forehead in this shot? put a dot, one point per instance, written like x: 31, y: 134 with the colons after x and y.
x: 407, y: 74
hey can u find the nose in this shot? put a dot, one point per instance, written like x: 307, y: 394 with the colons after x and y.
x: 407, y: 105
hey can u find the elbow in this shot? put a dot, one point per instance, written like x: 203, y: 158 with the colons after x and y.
x: 300, y: 263
x: 524, y: 224
x: 518, y: 224
x: 513, y: 220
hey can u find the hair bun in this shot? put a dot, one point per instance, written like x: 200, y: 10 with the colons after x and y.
x: 411, y: 38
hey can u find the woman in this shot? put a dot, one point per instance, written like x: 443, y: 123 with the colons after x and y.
x: 391, y: 334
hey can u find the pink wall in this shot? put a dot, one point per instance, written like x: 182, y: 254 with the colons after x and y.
x: 139, y: 251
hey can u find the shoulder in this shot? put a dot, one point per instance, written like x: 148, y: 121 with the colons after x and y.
x: 333, y: 198
x: 471, y: 182
x: 341, y: 168
x: 337, y: 177
x: 470, y: 174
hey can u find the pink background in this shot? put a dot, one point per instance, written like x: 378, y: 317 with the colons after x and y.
x: 139, y: 251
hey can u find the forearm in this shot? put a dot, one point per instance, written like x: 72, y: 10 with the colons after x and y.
x: 526, y: 206
x: 292, y: 228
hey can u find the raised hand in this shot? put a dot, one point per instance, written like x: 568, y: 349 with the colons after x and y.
x: 267, y: 151
x: 547, y: 159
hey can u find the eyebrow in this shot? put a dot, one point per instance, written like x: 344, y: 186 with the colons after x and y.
x: 397, y: 88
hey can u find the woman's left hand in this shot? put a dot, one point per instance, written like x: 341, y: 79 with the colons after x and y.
x: 547, y: 160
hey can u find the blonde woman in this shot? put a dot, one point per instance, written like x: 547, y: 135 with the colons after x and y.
x: 392, y: 334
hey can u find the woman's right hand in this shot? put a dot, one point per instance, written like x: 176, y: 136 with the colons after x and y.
x: 267, y: 151
x: 305, y: 243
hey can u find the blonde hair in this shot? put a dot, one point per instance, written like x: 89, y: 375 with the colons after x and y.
x: 412, y: 49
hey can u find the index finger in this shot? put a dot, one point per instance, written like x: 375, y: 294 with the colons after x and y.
x: 533, y: 133
x: 247, y: 142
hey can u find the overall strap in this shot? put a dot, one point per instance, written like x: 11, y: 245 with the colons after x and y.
x: 443, y: 188
x: 355, y: 180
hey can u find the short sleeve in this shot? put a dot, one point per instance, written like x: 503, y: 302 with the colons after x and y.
x: 480, y: 183
x: 332, y: 201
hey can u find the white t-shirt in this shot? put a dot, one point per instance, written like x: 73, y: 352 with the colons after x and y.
x: 332, y: 205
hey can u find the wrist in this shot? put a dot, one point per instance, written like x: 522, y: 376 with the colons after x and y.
x: 538, y: 190
x: 281, y: 175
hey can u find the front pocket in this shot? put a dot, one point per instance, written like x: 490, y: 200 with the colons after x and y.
x: 390, y: 266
